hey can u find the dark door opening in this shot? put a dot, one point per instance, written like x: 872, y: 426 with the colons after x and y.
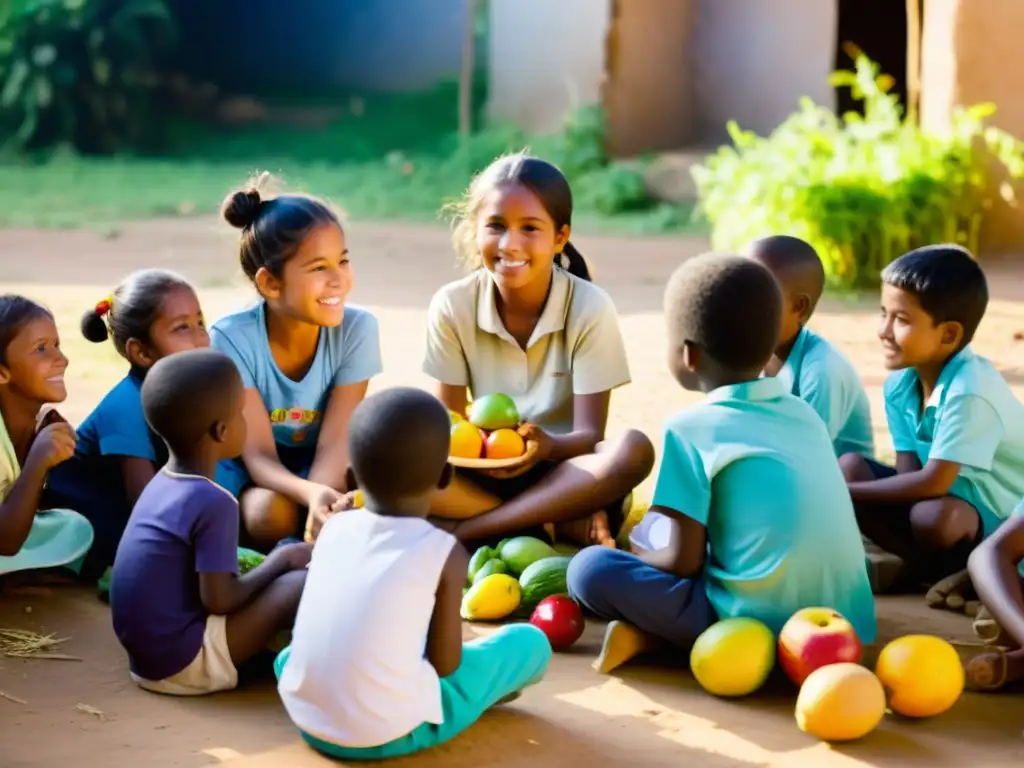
x: 879, y: 29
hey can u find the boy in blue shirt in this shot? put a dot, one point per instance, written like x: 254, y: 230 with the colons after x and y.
x: 762, y: 524
x: 809, y: 366
x: 956, y: 426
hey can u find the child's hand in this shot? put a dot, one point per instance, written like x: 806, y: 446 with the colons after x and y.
x: 297, y: 556
x: 53, y: 444
x: 323, y: 503
x: 531, y: 433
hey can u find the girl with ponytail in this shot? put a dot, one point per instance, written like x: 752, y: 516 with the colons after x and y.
x: 151, y: 314
x: 529, y: 323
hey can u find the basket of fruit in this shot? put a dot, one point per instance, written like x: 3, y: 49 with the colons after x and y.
x: 487, y: 437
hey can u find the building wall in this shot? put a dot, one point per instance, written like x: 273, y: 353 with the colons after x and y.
x: 970, y: 53
x: 753, y: 60
x: 546, y: 57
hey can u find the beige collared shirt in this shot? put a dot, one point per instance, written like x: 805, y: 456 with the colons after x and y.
x: 576, y: 348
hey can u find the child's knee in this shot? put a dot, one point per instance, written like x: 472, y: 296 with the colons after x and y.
x: 269, y: 517
x: 531, y: 643
x: 943, y: 523
x: 855, y: 468
x: 592, y: 573
x: 636, y: 457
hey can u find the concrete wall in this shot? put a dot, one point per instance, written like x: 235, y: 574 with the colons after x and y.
x: 753, y: 60
x: 546, y: 57
x: 971, y: 53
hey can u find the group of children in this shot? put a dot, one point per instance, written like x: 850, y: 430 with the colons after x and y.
x: 258, y: 431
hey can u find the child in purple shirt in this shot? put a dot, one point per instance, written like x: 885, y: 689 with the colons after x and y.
x: 180, y: 609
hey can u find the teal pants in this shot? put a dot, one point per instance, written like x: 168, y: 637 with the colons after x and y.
x: 492, y: 667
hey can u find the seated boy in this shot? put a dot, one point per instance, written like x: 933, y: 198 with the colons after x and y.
x: 809, y: 366
x: 994, y: 572
x: 377, y: 667
x: 180, y: 609
x: 762, y: 524
x: 956, y: 426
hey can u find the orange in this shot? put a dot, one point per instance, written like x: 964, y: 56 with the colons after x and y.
x: 840, y: 702
x: 504, y: 444
x: 923, y: 674
x: 467, y: 442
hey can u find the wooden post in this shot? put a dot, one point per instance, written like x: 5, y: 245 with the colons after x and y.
x: 913, y: 59
x: 468, y: 70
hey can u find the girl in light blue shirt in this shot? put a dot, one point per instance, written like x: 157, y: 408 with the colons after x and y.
x: 305, y: 359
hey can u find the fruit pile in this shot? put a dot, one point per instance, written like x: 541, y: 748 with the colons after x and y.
x: 488, y: 431
x: 523, y: 577
x: 839, y: 699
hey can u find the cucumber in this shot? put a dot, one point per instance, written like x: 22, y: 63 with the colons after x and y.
x: 480, y: 558
x: 490, y: 567
x: 544, y: 578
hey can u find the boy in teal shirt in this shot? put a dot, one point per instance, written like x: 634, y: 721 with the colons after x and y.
x: 956, y: 426
x: 809, y: 366
x: 762, y: 523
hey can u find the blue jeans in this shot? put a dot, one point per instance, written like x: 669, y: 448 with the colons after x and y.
x: 618, y: 585
x: 492, y: 667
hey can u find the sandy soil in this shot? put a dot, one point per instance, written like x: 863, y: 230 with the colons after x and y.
x: 653, y: 716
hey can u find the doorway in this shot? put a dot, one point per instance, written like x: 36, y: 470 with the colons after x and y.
x: 879, y: 29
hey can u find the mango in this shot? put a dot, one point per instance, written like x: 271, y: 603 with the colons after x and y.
x: 494, y: 411
x: 492, y: 598
x: 733, y: 657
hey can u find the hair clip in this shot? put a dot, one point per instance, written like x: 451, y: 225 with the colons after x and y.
x: 103, y: 308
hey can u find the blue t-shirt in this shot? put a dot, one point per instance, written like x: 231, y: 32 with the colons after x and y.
x: 182, y: 525
x: 347, y: 354
x: 973, y: 419
x: 754, y: 465
x: 116, y: 428
x: 822, y: 376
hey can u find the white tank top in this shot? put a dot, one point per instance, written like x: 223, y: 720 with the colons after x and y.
x: 358, y: 675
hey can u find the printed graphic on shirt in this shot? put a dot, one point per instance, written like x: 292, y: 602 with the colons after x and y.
x: 298, y: 418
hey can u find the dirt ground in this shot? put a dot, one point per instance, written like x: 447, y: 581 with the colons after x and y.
x: 87, y: 712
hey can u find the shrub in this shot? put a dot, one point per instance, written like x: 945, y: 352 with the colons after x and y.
x: 861, y: 189
x: 80, y: 72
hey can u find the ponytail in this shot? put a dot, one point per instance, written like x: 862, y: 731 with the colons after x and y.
x: 573, y: 262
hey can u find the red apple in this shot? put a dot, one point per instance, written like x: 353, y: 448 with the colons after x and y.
x: 813, y: 638
x: 560, y: 618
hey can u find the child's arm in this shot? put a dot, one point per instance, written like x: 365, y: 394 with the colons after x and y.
x: 225, y: 592
x: 330, y: 464
x: 687, y: 548
x: 993, y: 571
x: 137, y: 473
x: 968, y: 432
x: 444, y: 639
x: 54, y: 444
x: 589, y: 420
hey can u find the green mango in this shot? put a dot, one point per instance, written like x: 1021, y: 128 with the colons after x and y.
x: 490, y: 567
x: 478, y: 560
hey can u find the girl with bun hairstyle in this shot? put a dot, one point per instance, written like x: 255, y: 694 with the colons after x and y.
x: 305, y: 358
x: 151, y: 314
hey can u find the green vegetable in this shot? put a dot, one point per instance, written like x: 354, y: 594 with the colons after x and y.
x: 544, y: 578
x: 861, y: 190
x: 522, y: 552
x: 248, y: 559
x: 478, y: 560
x: 490, y: 567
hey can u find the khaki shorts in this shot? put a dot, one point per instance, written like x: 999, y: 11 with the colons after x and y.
x: 210, y: 671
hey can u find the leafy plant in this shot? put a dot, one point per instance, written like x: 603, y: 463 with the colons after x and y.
x: 861, y: 189
x: 80, y: 72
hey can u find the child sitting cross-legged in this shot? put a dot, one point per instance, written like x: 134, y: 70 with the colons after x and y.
x: 377, y: 667
x: 180, y: 609
x: 761, y: 522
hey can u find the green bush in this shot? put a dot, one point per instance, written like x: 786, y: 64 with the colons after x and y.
x: 80, y: 72
x: 861, y: 190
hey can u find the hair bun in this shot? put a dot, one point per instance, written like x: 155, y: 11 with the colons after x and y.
x: 94, y: 328
x: 241, y: 208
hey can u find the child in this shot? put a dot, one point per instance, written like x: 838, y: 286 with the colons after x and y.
x: 153, y: 313
x: 32, y: 370
x: 180, y: 609
x: 529, y: 323
x: 957, y: 429
x: 305, y: 359
x: 377, y: 667
x: 810, y: 367
x: 994, y: 572
x: 762, y: 526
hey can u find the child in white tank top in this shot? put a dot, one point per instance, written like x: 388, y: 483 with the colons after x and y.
x: 377, y: 667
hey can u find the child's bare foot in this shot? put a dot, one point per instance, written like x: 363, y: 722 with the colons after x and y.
x: 588, y: 530
x: 623, y: 642
x: 991, y: 671
x: 952, y: 593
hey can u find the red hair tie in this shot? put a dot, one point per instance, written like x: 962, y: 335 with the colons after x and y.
x: 103, y: 308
